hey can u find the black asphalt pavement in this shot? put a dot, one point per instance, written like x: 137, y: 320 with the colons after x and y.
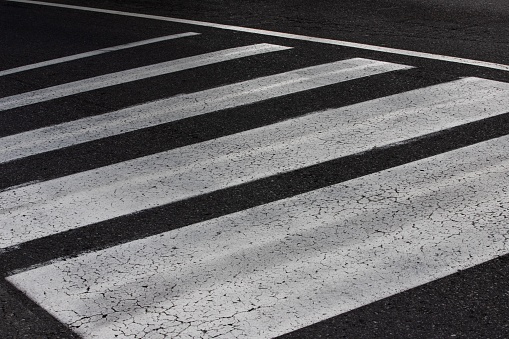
x: 473, y: 303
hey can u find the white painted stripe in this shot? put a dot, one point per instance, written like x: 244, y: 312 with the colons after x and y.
x: 135, y: 74
x: 185, y: 106
x: 81, y: 199
x: 278, y: 267
x: 92, y: 53
x: 465, y: 61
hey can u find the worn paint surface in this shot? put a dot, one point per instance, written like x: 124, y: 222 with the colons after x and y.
x: 273, y: 268
x: 81, y: 199
x: 187, y: 105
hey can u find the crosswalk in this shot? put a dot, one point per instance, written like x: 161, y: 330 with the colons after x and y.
x: 185, y: 106
x: 271, y: 267
x: 132, y: 75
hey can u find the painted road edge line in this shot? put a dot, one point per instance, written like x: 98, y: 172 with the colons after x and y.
x: 93, y: 53
x: 424, y: 55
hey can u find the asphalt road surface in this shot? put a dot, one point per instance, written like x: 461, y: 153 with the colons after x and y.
x: 254, y: 169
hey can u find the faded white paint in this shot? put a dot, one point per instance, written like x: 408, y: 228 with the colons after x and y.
x: 135, y: 74
x: 185, y: 106
x: 81, y: 199
x: 96, y: 52
x: 281, y: 266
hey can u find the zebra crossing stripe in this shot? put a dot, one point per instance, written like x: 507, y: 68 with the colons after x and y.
x: 185, y: 106
x: 54, y: 206
x: 278, y: 267
x: 92, y: 53
x: 135, y: 74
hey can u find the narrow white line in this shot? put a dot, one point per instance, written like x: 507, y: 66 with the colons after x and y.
x: 135, y: 74
x: 458, y: 60
x: 93, y: 196
x: 92, y: 53
x: 278, y: 267
x: 159, y: 112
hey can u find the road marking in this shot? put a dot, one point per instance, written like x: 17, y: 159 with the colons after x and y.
x: 135, y: 74
x: 272, y: 269
x: 465, y: 61
x: 97, y: 195
x: 185, y: 106
x: 96, y: 52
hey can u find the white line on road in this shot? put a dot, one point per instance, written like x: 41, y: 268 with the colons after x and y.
x: 278, y: 267
x: 135, y: 74
x: 185, y: 106
x: 382, y: 49
x: 96, y: 52
x: 93, y: 196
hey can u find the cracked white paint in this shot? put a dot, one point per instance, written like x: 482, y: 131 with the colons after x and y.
x: 185, y: 106
x: 134, y: 74
x: 278, y: 267
x: 81, y: 199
